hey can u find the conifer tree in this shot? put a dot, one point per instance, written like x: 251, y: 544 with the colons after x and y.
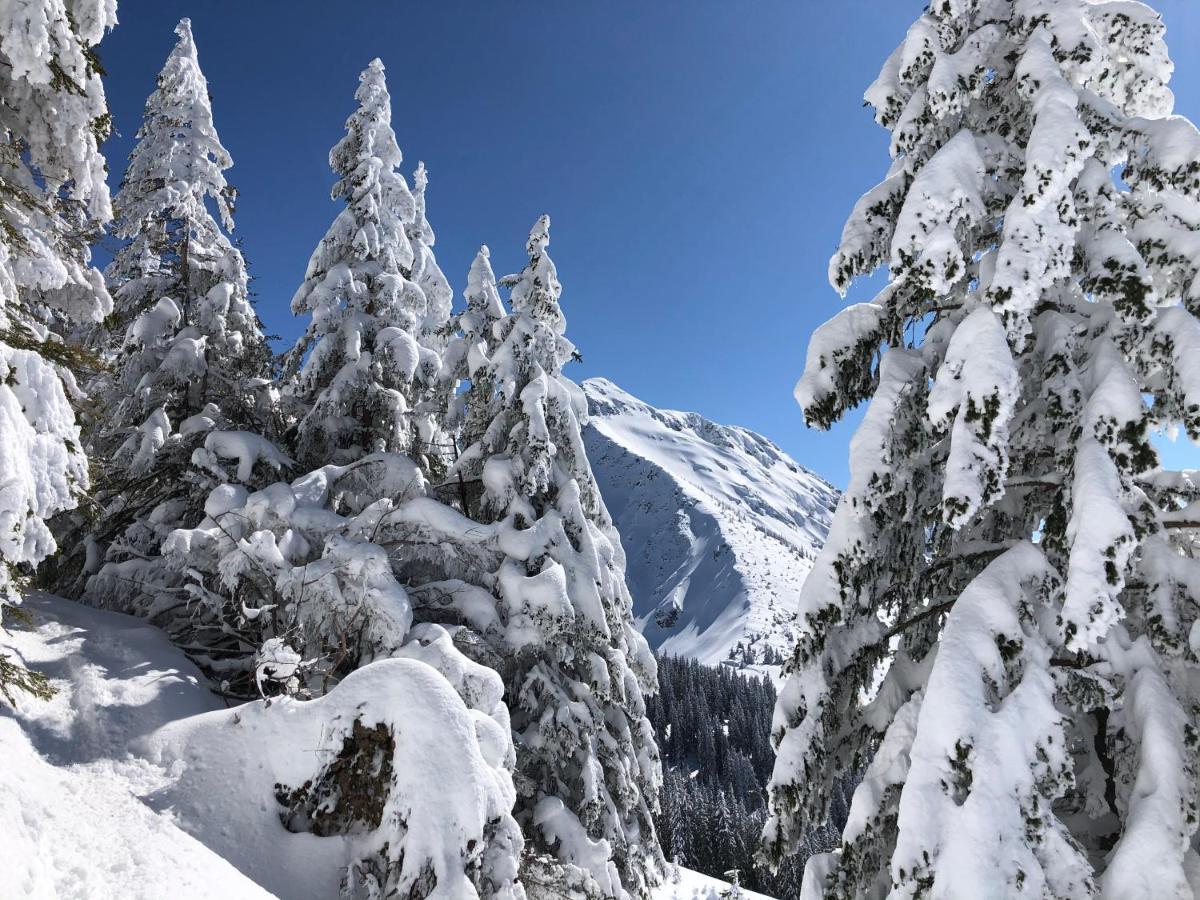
x: 53, y: 200
x: 428, y: 276
x: 188, y: 359
x: 435, y: 446
x: 356, y: 377
x: 467, y: 358
x: 575, y: 668
x: 300, y: 586
x: 1010, y: 580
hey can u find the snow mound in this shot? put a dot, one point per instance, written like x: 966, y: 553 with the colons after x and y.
x: 719, y: 525
x: 232, y: 765
x: 134, y: 781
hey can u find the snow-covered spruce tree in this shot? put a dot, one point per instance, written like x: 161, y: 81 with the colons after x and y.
x: 1000, y: 636
x: 358, y: 378
x: 53, y: 198
x: 293, y: 588
x: 468, y: 356
x: 575, y: 668
x: 188, y: 359
x: 439, y: 296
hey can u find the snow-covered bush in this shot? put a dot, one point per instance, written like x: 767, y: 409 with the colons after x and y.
x: 295, y: 566
x: 999, y: 634
x: 292, y: 590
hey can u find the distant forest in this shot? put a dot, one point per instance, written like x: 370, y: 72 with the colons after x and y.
x: 713, y: 726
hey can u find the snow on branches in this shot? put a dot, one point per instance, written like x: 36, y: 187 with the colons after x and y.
x: 378, y: 303
x: 997, y: 632
x: 187, y: 358
x: 574, y: 665
x: 54, y: 116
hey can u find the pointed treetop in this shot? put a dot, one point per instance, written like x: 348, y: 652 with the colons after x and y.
x: 539, y: 236
x: 179, y: 161
x: 369, y: 134
x: 537, y: 288
x: 421, y: 229
x: 372, y: 91
x: 481, y: 290
x: 535, y: 302
x: 481, y: 269
x: 183, y: 63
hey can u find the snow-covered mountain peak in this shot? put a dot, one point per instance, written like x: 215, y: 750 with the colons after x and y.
x: 720, y: 526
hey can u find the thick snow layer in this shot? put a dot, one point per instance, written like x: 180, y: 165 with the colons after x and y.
x: 694, y: 886
x: 134, y: 781
x: 40, y: 464
x: 72, y: 785
x: 69, y: 786
x: 229, y: 764
x: 719, y: 526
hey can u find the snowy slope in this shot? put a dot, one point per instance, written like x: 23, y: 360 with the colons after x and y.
x: 719, y: 525
x: 69, y: 786
x: 684, y: 884
x: 96, y: 808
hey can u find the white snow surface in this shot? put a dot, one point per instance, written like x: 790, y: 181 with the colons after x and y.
x: 694, y: 886
x: 719, y: 525
x: 70, y: 785
x: 90, y: 816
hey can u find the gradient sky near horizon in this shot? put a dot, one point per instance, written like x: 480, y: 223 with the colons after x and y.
x: 697, y: 158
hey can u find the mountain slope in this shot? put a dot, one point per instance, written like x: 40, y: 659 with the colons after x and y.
x: 719, y: 525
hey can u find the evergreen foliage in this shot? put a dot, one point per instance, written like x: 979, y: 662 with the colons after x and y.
x: 53, y: 201
x: 187, y: 361
x: 357, y: 378
x: 1000, y: 629
x: 297, y: 588
x: 574, y: 666
x: 713, y: 726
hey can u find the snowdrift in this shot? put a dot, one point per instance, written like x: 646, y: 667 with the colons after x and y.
x: 135, y: 782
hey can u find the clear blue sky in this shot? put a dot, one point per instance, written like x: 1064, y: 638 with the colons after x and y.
x: 697, y: 159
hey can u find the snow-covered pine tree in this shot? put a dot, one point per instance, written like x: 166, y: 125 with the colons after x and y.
x: 468, y: 356
x: 439, y: 297
x: 575, y: 668
x: 358, y: 378
x: 188, y: 359
x: 53, y: 199
x: 431, y: 391
x: 295, y: 588
x: 1000, y: 635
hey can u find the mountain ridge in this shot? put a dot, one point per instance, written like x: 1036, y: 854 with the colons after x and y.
x: 720, y: 527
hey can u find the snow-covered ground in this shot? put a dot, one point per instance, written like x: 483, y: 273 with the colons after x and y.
x: 69, y: 783
x: 720, y: 526
x: 107, y: 789
x: 694, y: 886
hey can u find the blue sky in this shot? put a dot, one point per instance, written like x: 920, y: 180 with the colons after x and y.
x: 697, y: 159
